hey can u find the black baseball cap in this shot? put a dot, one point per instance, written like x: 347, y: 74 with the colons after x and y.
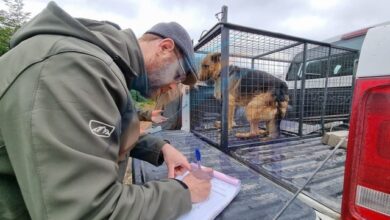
x: 183, y: 41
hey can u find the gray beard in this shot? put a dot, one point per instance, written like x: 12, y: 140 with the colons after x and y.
x: 162, y: 77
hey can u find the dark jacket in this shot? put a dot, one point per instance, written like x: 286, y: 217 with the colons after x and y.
x: 65, y: 118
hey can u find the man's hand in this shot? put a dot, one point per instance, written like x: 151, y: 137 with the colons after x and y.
x: 176, y: 162
x: 157, y: 117
x: 199, y: 187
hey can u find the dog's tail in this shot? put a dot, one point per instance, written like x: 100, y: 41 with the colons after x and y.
x: 281, y: 99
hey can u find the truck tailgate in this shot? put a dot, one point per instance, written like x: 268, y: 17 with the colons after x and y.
x: 259, y: 197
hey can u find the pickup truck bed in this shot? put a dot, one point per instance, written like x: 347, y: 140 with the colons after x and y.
x: 290, y: 164
x: 259, y: 197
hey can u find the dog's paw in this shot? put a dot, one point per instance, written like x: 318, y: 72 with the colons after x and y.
x: 270, y: 137
x: 262, y: 132
x: 246, y: 135
x: 267, y: 138
x: 217, y: 124
x: 274, y: 135
x: 242, y: 135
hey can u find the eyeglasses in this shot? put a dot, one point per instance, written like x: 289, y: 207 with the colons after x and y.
x: 180, y: 75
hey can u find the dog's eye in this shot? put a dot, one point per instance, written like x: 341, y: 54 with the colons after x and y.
x: 205, y: 66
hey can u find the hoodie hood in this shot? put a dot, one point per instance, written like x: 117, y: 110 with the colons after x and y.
x: 121, y: 45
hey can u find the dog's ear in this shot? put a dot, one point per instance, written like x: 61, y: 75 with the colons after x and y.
x: 216, y: 57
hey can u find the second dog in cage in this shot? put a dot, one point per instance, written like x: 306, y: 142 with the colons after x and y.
x: 264, y: 96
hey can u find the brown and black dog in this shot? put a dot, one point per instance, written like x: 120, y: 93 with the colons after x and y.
x: 264, y: 96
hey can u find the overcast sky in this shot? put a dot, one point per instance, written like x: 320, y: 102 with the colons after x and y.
x: 312, y: 19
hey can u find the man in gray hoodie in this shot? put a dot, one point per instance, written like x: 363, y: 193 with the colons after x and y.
x: 68, y: 124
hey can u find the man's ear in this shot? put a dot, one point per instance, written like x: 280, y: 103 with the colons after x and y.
x: 216, y: 57
x: 167, y: 45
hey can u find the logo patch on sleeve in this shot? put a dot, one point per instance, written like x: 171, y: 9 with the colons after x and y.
x: 101, y: 129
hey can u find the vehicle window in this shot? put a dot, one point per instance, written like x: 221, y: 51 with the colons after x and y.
x: 293, y: 72
x: 341, y: 65
x: 336, y: 69
x: 316, y: 69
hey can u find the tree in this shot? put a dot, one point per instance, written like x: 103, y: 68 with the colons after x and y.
x: 10, y: 21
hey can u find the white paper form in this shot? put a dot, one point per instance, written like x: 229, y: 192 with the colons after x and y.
x: 222, y: 193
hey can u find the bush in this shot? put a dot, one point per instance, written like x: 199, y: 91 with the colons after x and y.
x: 10, y: 21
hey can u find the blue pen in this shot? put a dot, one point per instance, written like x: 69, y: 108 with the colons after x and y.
x: 198, y: 157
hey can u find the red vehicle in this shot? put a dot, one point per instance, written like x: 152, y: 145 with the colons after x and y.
x: 367, y: 171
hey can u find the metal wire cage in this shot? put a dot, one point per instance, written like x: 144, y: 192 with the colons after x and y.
x: 319, y: 77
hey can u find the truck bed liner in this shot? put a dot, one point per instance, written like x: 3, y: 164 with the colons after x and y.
x: 291, y: 163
